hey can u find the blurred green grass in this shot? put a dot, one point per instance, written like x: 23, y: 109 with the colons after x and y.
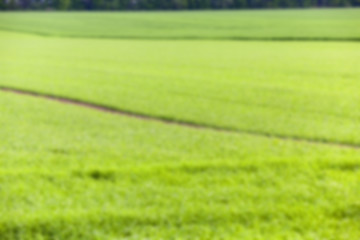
x: 303, y: 24
x: 73, y: 173
x: 292, y: 89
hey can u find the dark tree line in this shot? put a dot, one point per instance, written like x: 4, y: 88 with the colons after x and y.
x: 167, y: 4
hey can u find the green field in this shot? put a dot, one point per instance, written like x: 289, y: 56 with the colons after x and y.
x: 261, y: 139
x: 325, y: 24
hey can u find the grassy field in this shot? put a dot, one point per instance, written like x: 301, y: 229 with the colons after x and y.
x: 287, y: 166
x: 73, y: 173
x: 291, y: 89
x: 325, y: 24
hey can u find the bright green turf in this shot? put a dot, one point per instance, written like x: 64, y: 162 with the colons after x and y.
x: 74, y: 173
x: 330, y: 24
x: 293, y: 89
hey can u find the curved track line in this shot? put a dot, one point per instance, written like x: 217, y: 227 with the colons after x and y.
x: 188, y: 37
x: 168, y: 120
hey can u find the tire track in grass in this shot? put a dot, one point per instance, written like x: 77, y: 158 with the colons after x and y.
x: 169, y: 120
x: 185, y: 37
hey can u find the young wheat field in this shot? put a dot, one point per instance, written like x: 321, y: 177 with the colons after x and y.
x: 180, y: 125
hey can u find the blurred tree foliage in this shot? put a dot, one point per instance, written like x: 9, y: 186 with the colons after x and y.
x: 168, y: 4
